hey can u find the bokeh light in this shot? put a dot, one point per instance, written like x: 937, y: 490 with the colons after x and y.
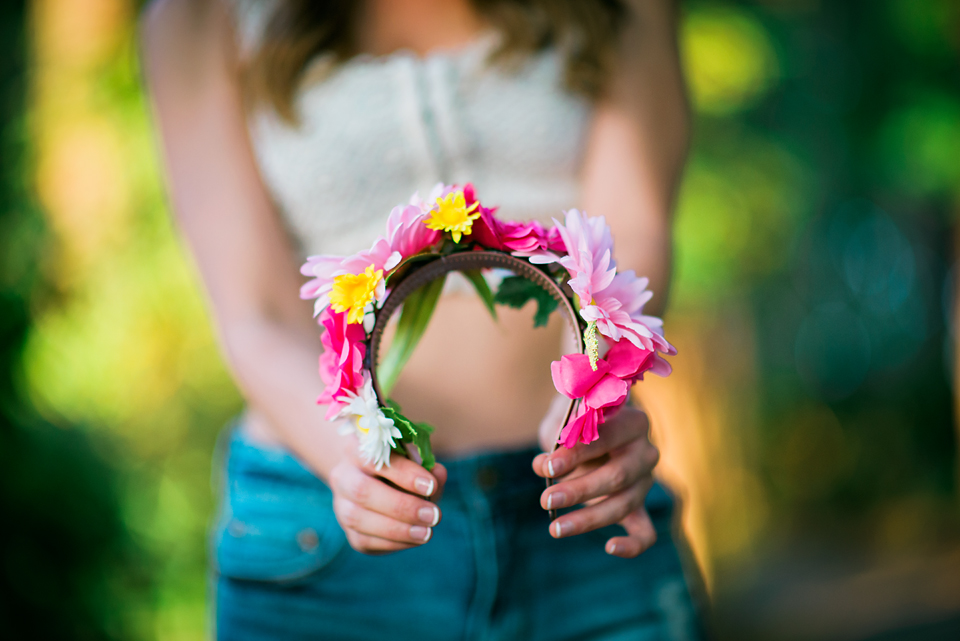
x: 808, y: 427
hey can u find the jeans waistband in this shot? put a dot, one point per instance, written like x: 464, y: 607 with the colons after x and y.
x: 500, y: 475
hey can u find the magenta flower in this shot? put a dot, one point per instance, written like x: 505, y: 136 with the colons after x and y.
x: 574, y: 378
x: 582, y: 427
x: 605, y: 387
x: 341, y: 362
x: 485, y: 230
x: 629, y: 362
x: 531, y: 240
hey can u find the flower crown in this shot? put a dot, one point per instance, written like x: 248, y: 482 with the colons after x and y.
x: 576, y: 254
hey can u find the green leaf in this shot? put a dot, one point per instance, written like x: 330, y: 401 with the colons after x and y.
x: 516, y: 291
x: 417, y: 311
x: 416, y: 433
x: 483, y: 289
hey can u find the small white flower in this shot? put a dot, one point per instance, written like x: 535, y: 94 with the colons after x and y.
x: 375, y: 431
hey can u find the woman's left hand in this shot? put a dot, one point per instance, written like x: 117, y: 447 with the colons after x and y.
x: 611, y: 476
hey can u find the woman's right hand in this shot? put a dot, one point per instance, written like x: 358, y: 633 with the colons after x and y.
x: 377, y: 517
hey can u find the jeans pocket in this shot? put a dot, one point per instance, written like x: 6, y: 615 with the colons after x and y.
x: 273, y: 530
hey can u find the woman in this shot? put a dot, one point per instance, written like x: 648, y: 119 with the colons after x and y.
x: 291, y: 128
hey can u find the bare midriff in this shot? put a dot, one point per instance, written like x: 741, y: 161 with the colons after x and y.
x: 484, y: 385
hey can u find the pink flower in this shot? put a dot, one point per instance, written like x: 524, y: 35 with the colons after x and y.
x: 607, y: 386
x: 589, y: 258
x: 323, y: 269
x: 406, y: 236
x: 617, y: 310
x: 629, y: 362
x: 582, y: 427
x: 341, y: 363
x: 531, y: 240
x: 614, y: 301
x: 574, y: 378
x: 486, y: 229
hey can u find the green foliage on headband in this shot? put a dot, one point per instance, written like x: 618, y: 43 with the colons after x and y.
x: 516, y: 291
x: 416, y: 433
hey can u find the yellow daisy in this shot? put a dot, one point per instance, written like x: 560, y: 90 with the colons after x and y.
x: 355, y: 292
x: 453, y: 215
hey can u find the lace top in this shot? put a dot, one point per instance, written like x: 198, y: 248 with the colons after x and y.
x: 376, y: 129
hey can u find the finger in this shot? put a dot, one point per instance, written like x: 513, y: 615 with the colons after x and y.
x: 601, y: 514
x: 439, y: 473
x: 622, y: 470
x: 641, y: 535
x: 373, y: 545
x: 628, y: 424
x: 405, y: 474
x: 359, y: 519
x: 373, y: 494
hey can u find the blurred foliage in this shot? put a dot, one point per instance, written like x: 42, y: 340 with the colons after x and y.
x: 66, y: 558
x: 123, y: 345
x: 811, y: 302
x: 821, y: 196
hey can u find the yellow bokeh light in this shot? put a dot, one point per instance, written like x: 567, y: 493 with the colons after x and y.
x: 729, y: 58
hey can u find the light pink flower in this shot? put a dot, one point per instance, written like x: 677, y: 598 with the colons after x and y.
x: 618, y: 312
x: 341, y: 363
x: 406, y: 236
x: 614, y: 301
x: 589, y: 258
x: 323, y: 269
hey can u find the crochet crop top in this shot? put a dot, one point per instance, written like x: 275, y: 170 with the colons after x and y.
x: 375, y: 129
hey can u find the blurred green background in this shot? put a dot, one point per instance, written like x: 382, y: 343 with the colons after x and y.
x: 809, y: 426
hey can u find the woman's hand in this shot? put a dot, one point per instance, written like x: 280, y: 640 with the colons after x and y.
x: 377, y: 517
x: 612, y: 476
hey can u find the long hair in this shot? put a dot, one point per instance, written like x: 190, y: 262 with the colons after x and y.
x: 584, y: 31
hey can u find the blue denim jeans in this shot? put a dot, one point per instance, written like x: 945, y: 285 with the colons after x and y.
x: 283, y: 569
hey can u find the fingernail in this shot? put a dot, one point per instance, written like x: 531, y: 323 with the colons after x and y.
x: 554, y: 468
x: 420, y: 533
x: 424, y: 486
x: 556, y: 499
x: 611, y: 548
x: 561, y: 528
x: 429, y: 515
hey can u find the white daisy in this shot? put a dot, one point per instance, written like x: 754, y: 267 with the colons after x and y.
x: 375, y: 431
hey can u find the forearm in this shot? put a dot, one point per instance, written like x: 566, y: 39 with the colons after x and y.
x: 276, y: 368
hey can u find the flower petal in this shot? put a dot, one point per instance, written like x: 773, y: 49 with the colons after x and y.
x: 628, y: 361
x: 582, y: 428
x: 573, y: 376
x: 609, y: 391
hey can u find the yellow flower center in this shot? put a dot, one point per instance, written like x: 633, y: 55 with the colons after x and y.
x: 354, y: 292
x: 453, y: 215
